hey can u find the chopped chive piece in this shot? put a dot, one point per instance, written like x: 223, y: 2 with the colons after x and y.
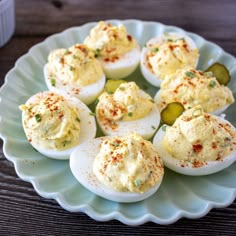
x: 67, y: 51
x: 77, y: 118
x: 109, y: 179
x: 130, y: 114
x: 97, y: 51
x: 53, y: 82
x: 71, y: 68
x: 92, y: 114
x: 155, y: 49
x: 153, y: 127
x: 85, y: 62
x: 170, y: 40
x: 96, y: 102
x: 212, y: 84
x: 137, y: 182
x: 151, y: 100
x: 163, y: 127
x: 64, y: 143
x: 190, y: 74
x: 75, y: 57
x: 38, y: 117
x: 116, y: 144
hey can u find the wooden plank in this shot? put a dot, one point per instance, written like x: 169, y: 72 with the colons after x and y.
x: 214, y: 19
x: 22, y: 210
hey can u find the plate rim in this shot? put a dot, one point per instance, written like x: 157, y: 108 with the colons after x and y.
x: 86, y: 208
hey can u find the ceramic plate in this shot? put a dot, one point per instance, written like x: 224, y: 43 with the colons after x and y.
x: 179, y: 195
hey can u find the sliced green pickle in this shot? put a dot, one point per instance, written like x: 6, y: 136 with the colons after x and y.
x: 171, y: 112
x: 220, y: 72
x: 112, y: 84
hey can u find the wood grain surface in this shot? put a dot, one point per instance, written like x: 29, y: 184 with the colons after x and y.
x: 22, y: 210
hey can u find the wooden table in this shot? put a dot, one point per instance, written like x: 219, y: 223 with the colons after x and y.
x: 22, y: 211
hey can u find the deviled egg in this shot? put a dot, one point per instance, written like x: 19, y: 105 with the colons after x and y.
x: 194, y: 87
x: 165, y: 54
x: 55, y: 124
x: 198, y: 143
x: 128, y: 109
x: 122, y: 169
x: 75, y: 71
x: 118, y: 52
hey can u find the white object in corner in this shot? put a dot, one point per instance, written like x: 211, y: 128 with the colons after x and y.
x: 7, y: 20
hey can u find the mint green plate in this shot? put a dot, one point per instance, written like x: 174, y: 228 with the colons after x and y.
x: 179, y: 195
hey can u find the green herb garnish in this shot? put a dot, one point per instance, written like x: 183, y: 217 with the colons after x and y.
x: 78, y: 119
x: 109, y: 179
x: 170, y: 40
x: 38, y: 117
x: 116, y: 144
x: 155, y: 49
x: 75, y: 57
x: 130, y: 114
x: 64, y: 143
x: 72, y: 68
x: 92, y: 114
x: 212, y: 84
x: 53, y: 82
x: 163, y: 127
x: 190, y: 74
x: 97, y: 51
x: 153, y: 127
x: 67, y: 51
x: 96, y: 102
x: 137, y: 182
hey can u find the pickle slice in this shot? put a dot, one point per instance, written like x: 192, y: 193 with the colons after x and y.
x: 220, y: 72
x: 112, y: 84
x: 171, y: 112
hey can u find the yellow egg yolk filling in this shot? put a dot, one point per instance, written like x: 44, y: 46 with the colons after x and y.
x: 50, y: 122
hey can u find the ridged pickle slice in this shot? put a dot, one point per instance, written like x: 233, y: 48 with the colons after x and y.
x: 220, y: 72
x: 171, y: 112
x: 112, y: 84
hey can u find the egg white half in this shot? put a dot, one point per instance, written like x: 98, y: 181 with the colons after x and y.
x: 216, y: 112
x: 174, y: 164
x: 87, y: 129
x: 150, y: 76
x: 86, y: 94
x: 146, y: 126
x: 122, y: 67
x: 81, y: 165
